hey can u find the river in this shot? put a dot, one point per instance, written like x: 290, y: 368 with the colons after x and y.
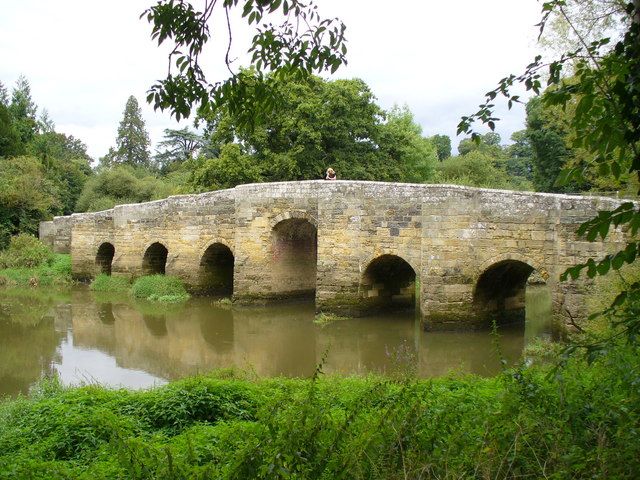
x: 83, y: 337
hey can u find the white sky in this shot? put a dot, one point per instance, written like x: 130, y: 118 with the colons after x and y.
x: 84, y: 58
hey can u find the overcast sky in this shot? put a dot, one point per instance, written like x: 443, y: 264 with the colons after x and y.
x: 84, y: 58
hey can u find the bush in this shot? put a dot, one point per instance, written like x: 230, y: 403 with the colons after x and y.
x: 57, y: 272
x: 162, y: 288
x: 25, y: 251
x: 107, y: 283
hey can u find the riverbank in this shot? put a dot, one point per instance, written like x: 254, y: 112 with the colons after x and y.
x: 53, y: 273
x: 581, y: 422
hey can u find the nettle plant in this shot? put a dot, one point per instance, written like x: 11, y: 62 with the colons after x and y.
x: 599, y: 80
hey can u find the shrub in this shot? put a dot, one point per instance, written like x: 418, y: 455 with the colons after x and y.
x: 107, y: 283
x: 25, y: 251
x: 58, y: 272
x: 163, y: 288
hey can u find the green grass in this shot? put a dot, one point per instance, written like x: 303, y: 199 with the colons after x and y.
x: 57, y: 272
x: 106, y: 283
x: 160, y: 288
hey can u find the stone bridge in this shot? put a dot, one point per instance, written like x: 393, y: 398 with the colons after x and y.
x: 459, y: 254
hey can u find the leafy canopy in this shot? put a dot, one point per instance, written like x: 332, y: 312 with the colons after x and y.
x: 301, y: 44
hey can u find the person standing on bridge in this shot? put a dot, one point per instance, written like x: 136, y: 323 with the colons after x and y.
x: 331, y: 175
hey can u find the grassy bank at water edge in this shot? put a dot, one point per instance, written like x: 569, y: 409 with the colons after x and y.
x: 583, y: 421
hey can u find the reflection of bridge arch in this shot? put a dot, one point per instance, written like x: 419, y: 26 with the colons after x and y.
x: 216, y: 269
x: 389, y: 282
x: 104, y: 257
x: 294, y: 253
x: 217, y: 329
x: 154, y: 261
x: 156, y: 324
x: 499, y: 291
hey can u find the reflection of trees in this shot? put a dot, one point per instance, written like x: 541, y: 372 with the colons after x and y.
x: 28, y: 337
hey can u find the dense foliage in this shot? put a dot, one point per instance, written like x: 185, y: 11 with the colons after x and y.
x: 119, y: 185
x: 160, y: 288
x: 25, y: 251
x: 42, y: 172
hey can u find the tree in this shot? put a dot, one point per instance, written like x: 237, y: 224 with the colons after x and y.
x: 132, y: 143
x: 66, y: 163
x: 4, y: 95
x: 23, y: 110
x: 231, y: 168
x: 177, y: 146
x: 479, y: 169
x: 301, y: 45
x: 27, y: 197
x: 550, y: 153
x: 489, y: 143
x: 45, y: 123
x: 10, y: 142
x: 319, y: 124
x: 443, y: 145
x: 405, y: 148
x: 520, y: 155
x: 119, y: 185
x: 585, y: 21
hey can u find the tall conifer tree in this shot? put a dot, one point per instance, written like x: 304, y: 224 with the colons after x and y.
x: 132, y: 144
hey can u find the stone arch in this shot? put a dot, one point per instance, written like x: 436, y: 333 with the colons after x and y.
x: 104, y: 257
x: 500, y: 287
x: 388, y: 283
x: 154, y: 261
x: 386, y: 251
x: 294, y: 255
x: 301, y: 214
x: 215, y: 274
x: 514, y: 257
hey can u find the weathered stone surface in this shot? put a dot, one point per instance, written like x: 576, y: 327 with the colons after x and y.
x: 341, y: 238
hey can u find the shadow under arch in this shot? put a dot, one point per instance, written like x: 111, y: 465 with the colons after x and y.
x: 388, y: 283
x: 154, y: 261
x: 104, y: 257
x: 499, y: 293
x: 294, y: 254
x: 216, y: 270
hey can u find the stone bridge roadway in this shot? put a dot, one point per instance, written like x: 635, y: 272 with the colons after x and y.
x: 458, y: 254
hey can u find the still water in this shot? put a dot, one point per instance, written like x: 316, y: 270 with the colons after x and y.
x: 90, y: 338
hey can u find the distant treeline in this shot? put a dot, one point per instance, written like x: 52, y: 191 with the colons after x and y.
x: 313, y: 125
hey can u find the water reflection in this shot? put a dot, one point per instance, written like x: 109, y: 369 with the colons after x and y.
x: 115, y: 341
